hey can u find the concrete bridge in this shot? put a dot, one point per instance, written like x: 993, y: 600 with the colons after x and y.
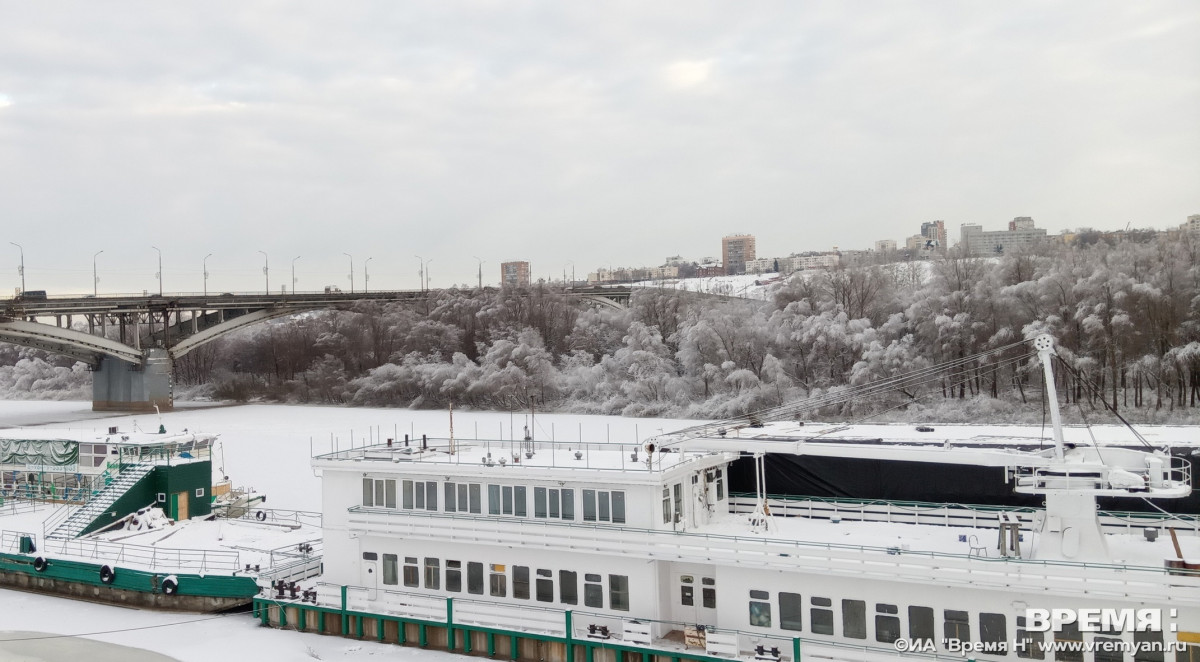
x: 132, y: 342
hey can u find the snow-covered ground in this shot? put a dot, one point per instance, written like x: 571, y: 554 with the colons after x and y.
x: 746, y: 286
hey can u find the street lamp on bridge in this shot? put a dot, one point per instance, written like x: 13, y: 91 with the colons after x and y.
x: 205, y: 269
x: 266, y: 272
x: 159, y: 274
x: 294, y: 273
x: 480, y: 271
x: 95, y: 278
x: 423, y: 272
x: 21, y: 269
x: 367, y: 276
x: 351, y: 271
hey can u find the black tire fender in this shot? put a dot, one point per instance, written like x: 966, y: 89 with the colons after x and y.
x: 39, y: 564
x: 260, y: 516
x: 170, y: 585
x: 107, y: 574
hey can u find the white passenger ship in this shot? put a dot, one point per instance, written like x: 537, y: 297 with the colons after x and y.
x: 566, y: 551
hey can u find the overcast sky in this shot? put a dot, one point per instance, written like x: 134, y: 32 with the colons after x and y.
x: 568, y: 132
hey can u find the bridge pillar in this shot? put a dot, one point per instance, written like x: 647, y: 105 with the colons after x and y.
x: 122, y: 386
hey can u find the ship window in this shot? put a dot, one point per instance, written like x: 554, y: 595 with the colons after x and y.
x: 475, y: 578
x: 760, y: 610
x: 521, y: 582
x: 593, y: 592
x: 618, y: 505
x: 419, y: 494
x: 519, y: 501
x: 507, y: 507
x: 822, y: 619
x: 618, y: 592
x: 370, y: 556
x: 368, y: 492
x: 412, y: 576
x: 1067, y: 635
x: 568, y: 587
x: 920, y: 624
x: 433, y: 573
x: 887, y: 625
x: 720, y: 485
x: 710, y: 597
x: 406, y: 495
x: 462, y: 497
x: 791, y: 609
x: 708, y: 581
x: 1192, y: 654
x: 555, y: 511
x: 677, y: 513
x: 474, y: 496
x: 854, y: 619
x: 568, y: 504
x: 603, y: 506
x: 391, y: 569
x: 605, y: 513
x: 686, y: 594
x: 379, y: 493
x: 666, y: 505
x: 993, y: 629
x: 493, y: 499
x: 1107, y: 649
x: 451, y: 497
x: 539, y: 502
x: 589, y: 505
x: 431, y: 495
x: 1149, y: 643
x: 686, y: 579
x: 545, y: 586
x: 454, y: 576
x: 499, y: 582
x: 957, y: 626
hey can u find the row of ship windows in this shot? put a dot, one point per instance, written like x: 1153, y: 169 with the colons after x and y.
x: 510, y: 500
x: 956, y: 625
x: 538, y: 585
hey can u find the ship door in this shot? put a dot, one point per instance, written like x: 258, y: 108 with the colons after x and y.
x: 697, y: 597
x: 370, y: 574
x: 179, y: 506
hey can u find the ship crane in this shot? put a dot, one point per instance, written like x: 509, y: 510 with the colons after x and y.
x: 1069, y: 477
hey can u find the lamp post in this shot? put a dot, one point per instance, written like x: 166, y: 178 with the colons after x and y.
x: 351, y: 271
x: 159, y: 274
x: 95, y: 278
x: 480, y: 272
x: 266, y: 273
x: 367, y: 276
x: 420, y: 272
x: 21, y: 269
x: 572, y: 272
x: 294, y: 273
x: 205, y: 270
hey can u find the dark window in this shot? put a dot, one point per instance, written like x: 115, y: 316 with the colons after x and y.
x: 451, y: 498
x: 431, y: 495
x: 493, y: 499
x: 685, y: 596
x: 554, y: 510
x: 507, y: 508
x: 618, y: 507
x: 720, y: 486
x: 1148, y: 639
x: 539, y: 502
x: 605, y: 514
x: 462, y: 498
x: 521, y: 582
x: 887, y: 624
x: 666, y: 505
x: 957, y: 625
x: 454, y: 576
x: 920, y: 624
x: 389, y: 491
x: 391, y: 570
x: 406, y: 495
x: 760, y: 612
x: 593, y: 592
x: 475, y: 578
x: 519, y: 501
x: 498, y: 582
x: 475, y: 498
x: 589, y: 505
x: 1069, y: 632
x: 545, y: 586
x: 993, y: 629
x: 568, y: 587
x: 368, y: 492
x: 854, y: 619
x: 791, y: 609
x: 433, y: 573
x: 370, y: 556
x: 568, y: 504
x: 618, y: 592
x: 760, y: 595
x: 412, y: 575
x: 1190, y: 654
x: 822, y: 619
x: 710, y: 597
x: 1029, y: 644
x: 1106, y: 654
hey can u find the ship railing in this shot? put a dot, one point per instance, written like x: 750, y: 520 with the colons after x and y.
x: 294, y: 570
x: 563, y: 454
x: 836, y: 558
x: 17, y: 505
x: 942, y: 514
x: 142, y: 556
x: 10, y: 541
x: 522, y: 618
x: 284, y: 517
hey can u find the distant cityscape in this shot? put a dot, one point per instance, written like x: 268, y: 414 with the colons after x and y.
x: 739, y: 252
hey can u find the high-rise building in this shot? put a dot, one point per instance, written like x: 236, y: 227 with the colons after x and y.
x: 736, y: 250
x: 885, y: 245
x: 1021, y: 235
x: 934, y: 233
x: 1192, y: 227
x: 514, y: 274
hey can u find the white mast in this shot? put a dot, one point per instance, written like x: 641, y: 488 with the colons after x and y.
x: 1044, y: 344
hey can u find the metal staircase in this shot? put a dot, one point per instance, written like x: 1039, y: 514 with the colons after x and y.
x: 83, y: 516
